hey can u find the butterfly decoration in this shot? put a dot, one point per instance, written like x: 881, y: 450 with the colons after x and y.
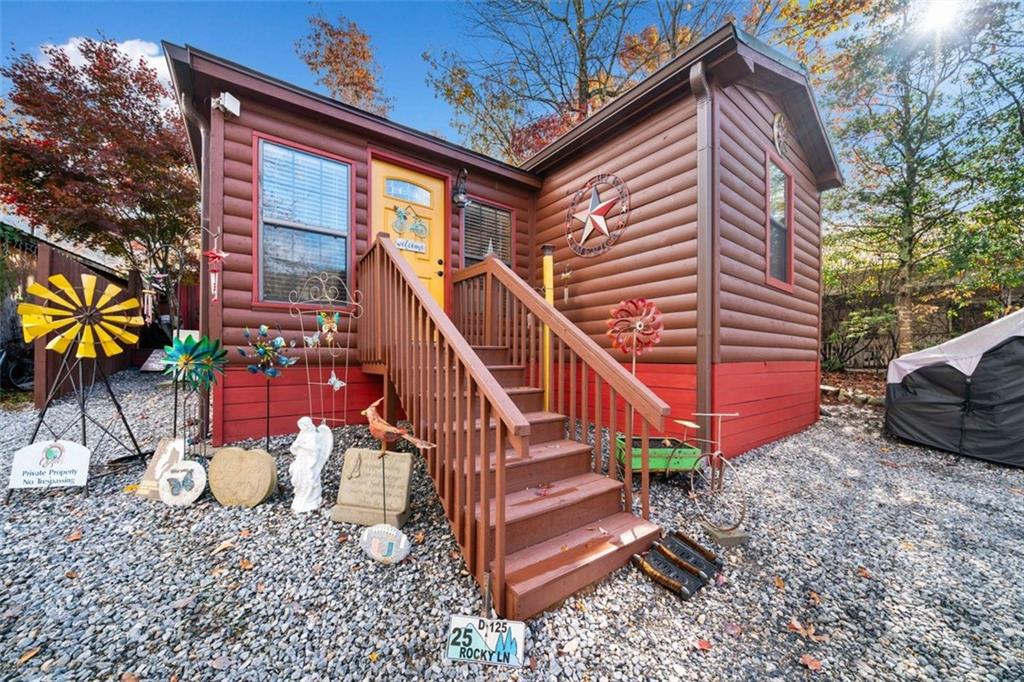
x: 312, y: 341
x: 334, y: 382
x: 328, y: 324
x: 184, y: 483
x: 264, y: 352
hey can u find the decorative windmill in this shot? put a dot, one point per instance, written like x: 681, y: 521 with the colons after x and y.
x: 635, y: 327
x: 83, y: 321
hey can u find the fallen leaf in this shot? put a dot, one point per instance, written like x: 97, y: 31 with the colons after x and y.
x: 245, y: 564
x: 887, y: 463
x: 222, y: 662
x: 563, y: 548
x: 806, y: 631
x: 733, y: 629
x: 909, y: 546
x: 74, y: 536
x: 218, y: 570
x: 543, y: 490
x: 71, y: 574
x: 245, y: 533
x: 130, y: 488
x: 129, y: 677
x: 863, y: 572
x: 260, y: 587
x: 343, y: 537
x: 174, y: 678
x: 223, y: 547
x: 28, y: 654
x: 1017, y: 491
x: 419, y: 537
x: 814, y: 598
x: 533, y: 663
x: 811, y: 662
x: 455, y: 554
x: 720, y: 579
x: 702, y: 645
x: 373, y: 656
x: 780, y: 584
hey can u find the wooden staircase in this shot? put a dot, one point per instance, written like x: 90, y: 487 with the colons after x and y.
x: 531, y: 504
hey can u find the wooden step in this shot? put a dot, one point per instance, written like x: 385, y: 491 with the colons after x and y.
x: 551, y: 461
x: 544, y: 427
x: 538, y: 513
x: 492, y: 355
x: 526, y: 398
x: 508, y: 375
x: 542, y: 575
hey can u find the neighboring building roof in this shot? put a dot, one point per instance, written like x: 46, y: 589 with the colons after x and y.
x: 729, y: 54
x: 97, y: 260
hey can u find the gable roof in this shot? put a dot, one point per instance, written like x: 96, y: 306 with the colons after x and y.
x: 730, y: 56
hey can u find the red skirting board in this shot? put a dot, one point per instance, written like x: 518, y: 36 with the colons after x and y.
x: 774, y: 399
x: 239, y: 403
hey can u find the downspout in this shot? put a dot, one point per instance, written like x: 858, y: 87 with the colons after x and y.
x: 705, y: 245
x: 193, y: 116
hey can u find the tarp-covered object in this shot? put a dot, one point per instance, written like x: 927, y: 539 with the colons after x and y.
x: 965, y: 395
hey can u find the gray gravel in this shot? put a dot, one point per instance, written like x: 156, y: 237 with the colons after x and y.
x: 938, y: 538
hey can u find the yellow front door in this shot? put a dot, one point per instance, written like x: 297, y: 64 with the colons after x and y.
x: 411, y: 207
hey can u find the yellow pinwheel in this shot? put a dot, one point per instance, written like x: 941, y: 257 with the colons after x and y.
x: 80, y: 315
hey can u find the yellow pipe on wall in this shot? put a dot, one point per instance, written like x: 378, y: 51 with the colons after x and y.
x: 548, y: 273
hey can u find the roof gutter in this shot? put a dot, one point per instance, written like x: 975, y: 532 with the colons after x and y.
x: 705, y: 244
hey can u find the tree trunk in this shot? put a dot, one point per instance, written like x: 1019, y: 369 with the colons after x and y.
x: 904, y: 315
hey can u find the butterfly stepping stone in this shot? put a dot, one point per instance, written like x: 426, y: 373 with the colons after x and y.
x: 183, y: 483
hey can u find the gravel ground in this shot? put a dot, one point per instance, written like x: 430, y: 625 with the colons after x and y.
x: 908, y: 560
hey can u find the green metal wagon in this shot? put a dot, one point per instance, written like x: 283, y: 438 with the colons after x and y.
x: 665, y: 454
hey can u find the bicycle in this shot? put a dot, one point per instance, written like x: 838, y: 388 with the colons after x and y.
x: 17, y: 367
x: 715, y: 486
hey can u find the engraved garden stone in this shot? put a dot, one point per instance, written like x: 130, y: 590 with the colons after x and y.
x: 363, y: 488
x: 242, y: 478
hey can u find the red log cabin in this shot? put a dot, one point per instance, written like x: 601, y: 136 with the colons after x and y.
x: 699, y: 189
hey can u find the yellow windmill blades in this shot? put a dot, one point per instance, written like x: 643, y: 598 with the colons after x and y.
x: 61, y: 342
x: 62, y: 283
x: 34, y: 326
x: 107, y: 342
x: 37, y: 289
x: 127, y: 304
x: 110, y: 292
x: 86, y: 345
x: 81, y: 317
x: 120, y: 333
x: 88, y: 288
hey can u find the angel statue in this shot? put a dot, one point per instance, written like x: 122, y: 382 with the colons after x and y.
x: 311, y: 448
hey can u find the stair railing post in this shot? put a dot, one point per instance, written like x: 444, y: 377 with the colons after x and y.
x: 548, y: 269
x: 489, y: 310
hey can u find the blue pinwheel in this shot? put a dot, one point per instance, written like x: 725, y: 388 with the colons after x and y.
x: 265, y: 353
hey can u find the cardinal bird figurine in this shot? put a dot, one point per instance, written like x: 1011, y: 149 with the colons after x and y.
x: 386, y: 433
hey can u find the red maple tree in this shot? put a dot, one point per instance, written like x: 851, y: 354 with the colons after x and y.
x: 94, y: 151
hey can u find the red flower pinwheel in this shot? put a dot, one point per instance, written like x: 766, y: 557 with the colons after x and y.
x: 635, y: 326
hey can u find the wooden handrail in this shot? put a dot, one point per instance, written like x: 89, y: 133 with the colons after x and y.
x: 646, y: 403
x: 489, y: 386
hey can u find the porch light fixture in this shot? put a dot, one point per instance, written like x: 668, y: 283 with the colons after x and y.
x: 459, y: 196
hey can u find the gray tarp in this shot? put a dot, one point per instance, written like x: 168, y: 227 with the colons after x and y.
x: 965, y: 395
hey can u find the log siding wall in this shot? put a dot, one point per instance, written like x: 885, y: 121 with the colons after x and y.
x: 656, y: 257
x: 766, y: 336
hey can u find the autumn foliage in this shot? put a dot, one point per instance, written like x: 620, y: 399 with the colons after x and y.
x: 94, y: 152
x: 342, y: 57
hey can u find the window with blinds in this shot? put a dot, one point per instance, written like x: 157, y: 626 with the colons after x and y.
x: 486, y: 230
x: 304, y: 219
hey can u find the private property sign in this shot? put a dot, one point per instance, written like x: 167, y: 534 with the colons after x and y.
x: 482, y: 640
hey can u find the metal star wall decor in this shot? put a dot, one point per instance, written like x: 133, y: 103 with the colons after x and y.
x: 600, y: 221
